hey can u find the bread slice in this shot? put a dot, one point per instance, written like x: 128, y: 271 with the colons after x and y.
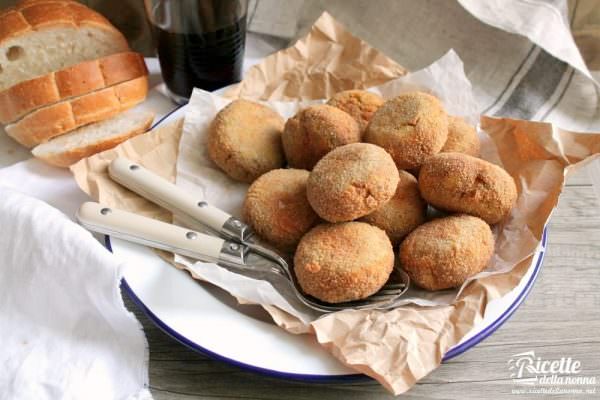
x: 65, y: 116
x: 39, y: 37
x: 77, y: 80
x: 91, y: 139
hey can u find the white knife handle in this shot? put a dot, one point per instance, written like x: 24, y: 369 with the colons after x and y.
x: 162, y: 192
x: 150, y: 232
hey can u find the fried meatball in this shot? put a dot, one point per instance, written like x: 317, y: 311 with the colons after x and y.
x: 443, y: 253
x: 456, y: 182
x: 244, y: 140
x: 343, y: 262
x: 360, y: 104
x: 462, y: 138
x: 411, y: 127
x: 351, y: 182
x: 403, y: 213
x: 314, y: 132
x: 277, y: 209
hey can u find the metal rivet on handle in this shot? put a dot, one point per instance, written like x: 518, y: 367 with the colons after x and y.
x: 105, y: 211
x: 234, y: 247
x: 237, y: 223
x: 133, y: 167
x: 202, y: 204
x: 191, y: 235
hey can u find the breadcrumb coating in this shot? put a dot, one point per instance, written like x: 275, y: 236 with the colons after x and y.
x: 277, y: 209
x: 244, y: 140
x: 443, y: 253
x: 403, y: 213
x: 360, y: 104
x: 411, y: 127
x: 457, y: 182
x: 343, y: 262
x: 314, y: 132
x: 462, y: 138
x: 351, y: 182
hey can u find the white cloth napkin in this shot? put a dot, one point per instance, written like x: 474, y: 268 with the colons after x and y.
x: 516, y: 16
x: 64, y: 329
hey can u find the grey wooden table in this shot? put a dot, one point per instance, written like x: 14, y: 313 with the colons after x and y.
x: 560, y: 318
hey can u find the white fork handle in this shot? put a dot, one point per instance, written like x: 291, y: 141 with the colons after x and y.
x: 150, y: 232
x: 164, y: 193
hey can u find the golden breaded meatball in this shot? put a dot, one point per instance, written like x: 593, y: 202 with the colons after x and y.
x: 443, y: 253
x: 245, y: 140
x: 462, y: 138
x: 314, y: 132
x: 351, y: 182
x: 277, y: 209
x: 403, y: 213
x: 343, y: 262
x: 411, y: 127
x: 457, y: 182
x: 360, y: 104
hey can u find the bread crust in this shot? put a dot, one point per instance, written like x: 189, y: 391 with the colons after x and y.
x: 71, y: 156
x: 343, y: 262
x: 443, y: 253
x: 30, y: 15
x: 62, y: 117
x: 77, y: 80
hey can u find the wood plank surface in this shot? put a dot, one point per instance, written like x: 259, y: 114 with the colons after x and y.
x: 560, y: 317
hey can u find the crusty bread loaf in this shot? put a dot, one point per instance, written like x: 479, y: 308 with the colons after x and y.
x: 66, y: 71
x: 65, y: 116
x: 94, y: 138
x: 39, y: 37
x: 77, y: 80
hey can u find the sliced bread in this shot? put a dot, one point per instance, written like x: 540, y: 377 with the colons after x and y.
x: 65, y: 116
x: 39, y: 37
x: 77, y: 80
x: 91, y: 139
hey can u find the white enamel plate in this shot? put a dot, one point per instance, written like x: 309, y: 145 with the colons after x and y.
x: 206, y: 319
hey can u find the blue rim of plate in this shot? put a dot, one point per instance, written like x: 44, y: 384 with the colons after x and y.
x: 453, y: 352
x: 164, y: 117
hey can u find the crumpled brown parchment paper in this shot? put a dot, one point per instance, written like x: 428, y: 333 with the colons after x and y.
x: 155, y: 150
x: 327, y: 60
x: 400, y: 346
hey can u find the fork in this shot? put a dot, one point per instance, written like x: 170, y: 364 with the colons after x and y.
x: 231, y: 255
x: 236, y: 249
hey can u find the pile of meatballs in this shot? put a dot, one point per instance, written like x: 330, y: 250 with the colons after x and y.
x: 342, y: 185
